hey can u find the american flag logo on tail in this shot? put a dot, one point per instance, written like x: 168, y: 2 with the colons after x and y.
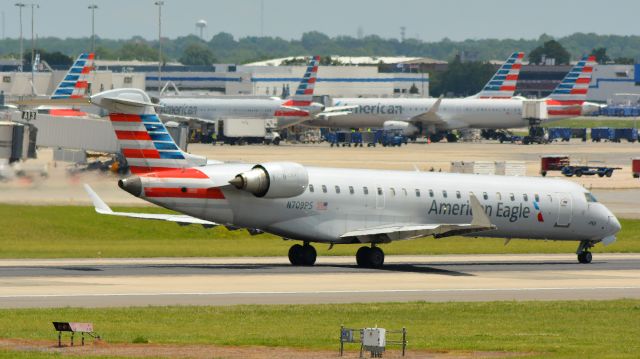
x: 503, y: 83
x: 298, y: 104
x: 571, y: 93
x: 75, y: 83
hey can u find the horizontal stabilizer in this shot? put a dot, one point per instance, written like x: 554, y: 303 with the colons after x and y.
x: 102, y: 208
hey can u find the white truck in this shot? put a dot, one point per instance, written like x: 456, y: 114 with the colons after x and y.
x: 241, y: 131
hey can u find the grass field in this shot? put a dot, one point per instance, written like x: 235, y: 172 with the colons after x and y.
x: 590, y: 122
x: 602, y: 329
x: 78, y: 232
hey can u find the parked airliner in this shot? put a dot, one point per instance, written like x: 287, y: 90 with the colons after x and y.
x: 341, y: 206
x: 433, y: 115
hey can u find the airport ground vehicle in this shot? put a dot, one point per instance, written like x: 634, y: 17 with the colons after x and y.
x: 341, y: 206
x: 553, y: 163
x: 244, y: 131
x: 560, y: 133
x: 635, y: 167
x: 584, y: 170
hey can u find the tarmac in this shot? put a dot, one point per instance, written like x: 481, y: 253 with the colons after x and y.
x: 271, y: 280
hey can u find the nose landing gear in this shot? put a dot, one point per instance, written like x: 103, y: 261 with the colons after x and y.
x: 584, y: 255
x: 304, y: 255
x: 370, y: 257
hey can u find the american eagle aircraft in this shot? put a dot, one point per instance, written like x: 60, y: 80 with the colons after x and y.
x: 438, y: 115
x: 341, y: 206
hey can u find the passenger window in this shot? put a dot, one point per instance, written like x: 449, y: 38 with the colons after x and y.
x: 498, y: 196
x: 392, y: 191
x: 351, y: 190
x: 536, y: 197
x: 417, y: 192
x: 379, y: 191
x: 337, y: 189
x: 444, y: 194
x: 404, y: 191
x: 430, y: 193
x: 458, y: 194
x: 365, y: 190
x: 324, y: 189
x: 311, y: 188
x: 512, y: 197
x: 485, y: 195
x: 525, y: 197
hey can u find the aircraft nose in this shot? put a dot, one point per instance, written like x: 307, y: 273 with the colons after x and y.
x: 131, y: 184
x: 614, y: 224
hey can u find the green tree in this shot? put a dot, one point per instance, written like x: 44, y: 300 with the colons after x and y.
x: 624, y: 60
x: 601, y: 55
x: 55, y: 58
x: 137, y: 50
x: 550, y: 49
x: 461, y: 78
x: 197, y: 54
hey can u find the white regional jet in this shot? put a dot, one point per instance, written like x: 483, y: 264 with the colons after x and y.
x: 342, y: 206
x: 492, y: 108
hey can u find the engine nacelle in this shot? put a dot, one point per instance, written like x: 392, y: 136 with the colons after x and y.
x: 406, y: 128
x: 273, y: 180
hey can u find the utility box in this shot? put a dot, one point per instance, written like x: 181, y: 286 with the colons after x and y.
x: 635, y: 167
x: 535, y: 110
x: 374, y: 340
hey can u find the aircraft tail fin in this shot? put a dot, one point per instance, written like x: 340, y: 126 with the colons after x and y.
x: 575, y: 85
x: 503, y: 82
x: 304, y: 93
x: 144, y: 140
x: 75, y: 84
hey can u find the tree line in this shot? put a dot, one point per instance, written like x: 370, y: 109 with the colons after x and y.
x: 225, y: 48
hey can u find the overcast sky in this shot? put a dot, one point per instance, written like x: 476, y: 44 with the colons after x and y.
x: 428, y: 20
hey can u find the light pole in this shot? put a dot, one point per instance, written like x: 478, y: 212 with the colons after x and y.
x: 20, y: 6
x: 93, y: 8
x: 33, y: 49
x: 159, y: 4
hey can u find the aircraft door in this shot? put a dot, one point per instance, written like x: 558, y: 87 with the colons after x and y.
x: 565, y: 210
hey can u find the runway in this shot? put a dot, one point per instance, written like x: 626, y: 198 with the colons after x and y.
x: 228, y: 281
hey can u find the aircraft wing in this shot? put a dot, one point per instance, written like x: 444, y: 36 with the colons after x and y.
x: 480, y: 222
x: 102, y: 208
x: 178, y: 118
x: 430, y: 117
x: 334, y: 111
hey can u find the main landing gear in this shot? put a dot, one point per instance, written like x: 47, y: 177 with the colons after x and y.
x: 370, y: 257
x: 584, y: 256
x: 302, y: 255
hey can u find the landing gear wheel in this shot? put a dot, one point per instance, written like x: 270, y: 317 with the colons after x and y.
x: 367, y: 257
x: 362, y: 256
x: 309, y: 255
x: 376, y: 258
x: 585, y: 257
x: 296, y: 255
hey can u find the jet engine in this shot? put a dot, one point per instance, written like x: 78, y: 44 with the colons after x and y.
x: 406, y: 128
x: 273, y: 180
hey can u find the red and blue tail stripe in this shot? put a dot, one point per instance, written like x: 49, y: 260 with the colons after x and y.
x: 146, y: 143
x: 567, y: 98
x: 75, y: 84
x: 503, y: 83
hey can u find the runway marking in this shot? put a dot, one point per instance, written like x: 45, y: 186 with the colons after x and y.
x: 315, y: 292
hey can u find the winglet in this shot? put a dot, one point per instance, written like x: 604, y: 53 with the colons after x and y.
x: 436, y: 106
x: 98, y: 203
x: 480, y: 217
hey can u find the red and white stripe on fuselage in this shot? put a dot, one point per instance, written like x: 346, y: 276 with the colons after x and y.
x: 558, y: 109
x: 187, y: 183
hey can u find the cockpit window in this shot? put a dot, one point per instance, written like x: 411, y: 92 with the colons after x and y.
x: 590, y: 198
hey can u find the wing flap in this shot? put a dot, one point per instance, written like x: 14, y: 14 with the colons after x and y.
x: 102, y: 208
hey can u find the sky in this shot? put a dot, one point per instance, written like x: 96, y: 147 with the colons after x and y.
x: 427, y: 20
